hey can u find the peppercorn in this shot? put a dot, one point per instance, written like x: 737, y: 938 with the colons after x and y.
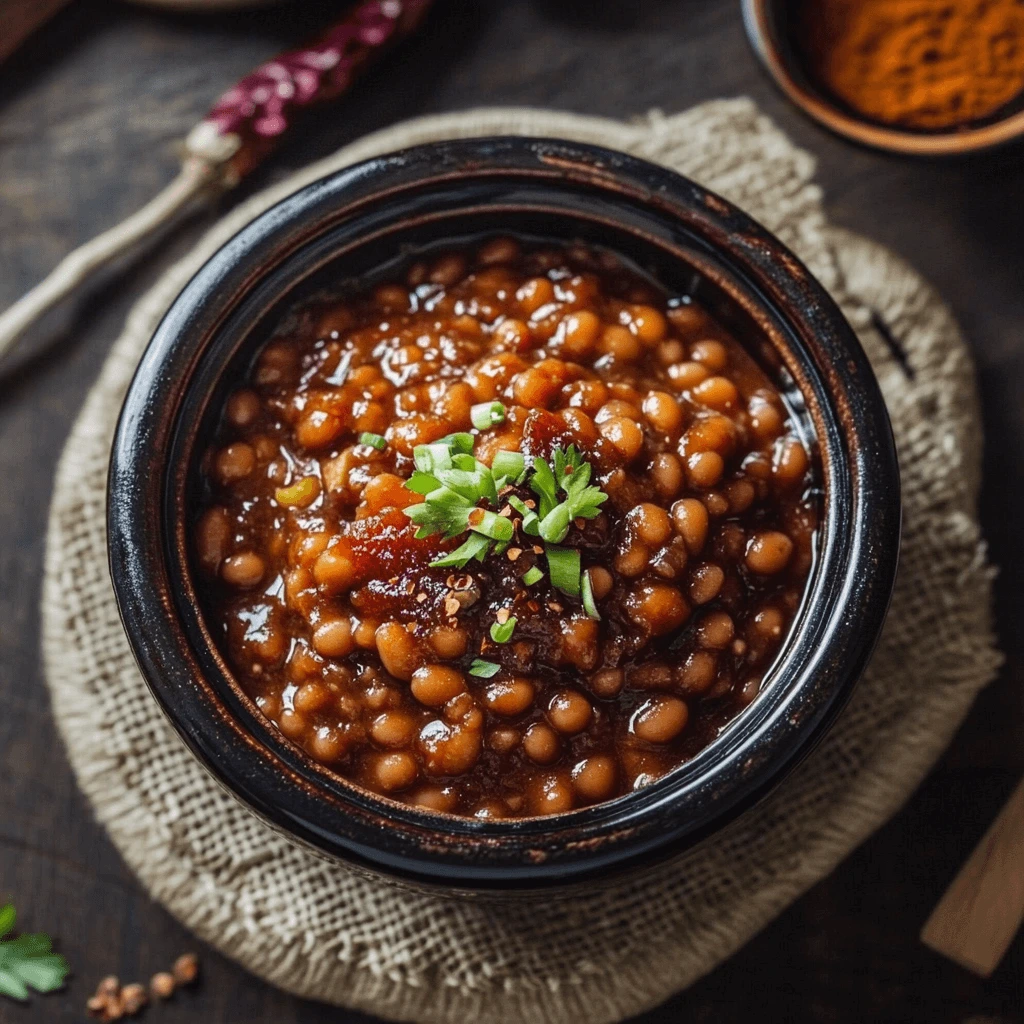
x: 133, y: 998
x: 186, y: 969
x: 162, y: 985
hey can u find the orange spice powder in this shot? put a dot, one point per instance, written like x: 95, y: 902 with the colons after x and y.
x: 917, y: 63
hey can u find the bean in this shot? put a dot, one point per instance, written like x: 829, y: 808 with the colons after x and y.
x: 398, y: 650
x: 397, y: 771
x: 569, y: 712
x: 234, y: 463
x: 712, y: 354
x: 435, y: 685
x: 663, y: 412
x: 705, y: 469
x: 579, y: 333
x: 716, y: 630
x: 706, y: 582
x: 540, y: 743
x: 326, y: 744
x: 311, y: 697
x: 318, y: 429
x: 667, y: 475
x: 697, y: 673
x: 620, y: 343
x: 213, y: 538
x: 449, y: 749
x: 601, y: 582
x: 509, y: 697
x: 393, y: 729
x: 768, y: 552
x: 593, y: 778
x: 243, y: 408
x: 658, y: 608
x: 650, y: 523
x: 690, y: 519
x: 607, y: 683
x: 449, y: 642
x: 625, y: 435
x: 660, y: 719
x: 551, y: 793
x: 244, y: 570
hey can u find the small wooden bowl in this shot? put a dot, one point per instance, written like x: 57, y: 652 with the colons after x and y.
x: 769, y: 25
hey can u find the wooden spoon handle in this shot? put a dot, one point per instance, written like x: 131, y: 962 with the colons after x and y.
x: 977, y: 918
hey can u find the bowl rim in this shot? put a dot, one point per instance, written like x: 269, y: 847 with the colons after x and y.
x: 763, y: 37
x: 299, y: 797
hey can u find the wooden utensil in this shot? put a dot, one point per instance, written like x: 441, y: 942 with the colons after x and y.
x: 977, y: 918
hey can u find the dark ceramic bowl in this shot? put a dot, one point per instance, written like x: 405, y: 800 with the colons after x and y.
x: 771, y: 28
x: 353, y: 224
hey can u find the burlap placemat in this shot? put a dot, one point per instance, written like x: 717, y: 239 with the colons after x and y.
x: 323, y: 931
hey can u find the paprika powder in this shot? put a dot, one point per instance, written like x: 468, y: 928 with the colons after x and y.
x: 926, y: 64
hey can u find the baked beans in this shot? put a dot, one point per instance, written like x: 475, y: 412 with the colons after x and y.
x: 492, y: 687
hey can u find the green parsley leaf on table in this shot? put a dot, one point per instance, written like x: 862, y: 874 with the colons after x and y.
x: 27, y: 961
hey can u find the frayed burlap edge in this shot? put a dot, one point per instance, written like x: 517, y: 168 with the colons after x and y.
x: 397, y: 962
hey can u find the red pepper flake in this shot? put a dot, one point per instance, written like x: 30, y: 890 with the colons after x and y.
x: 513, y: 553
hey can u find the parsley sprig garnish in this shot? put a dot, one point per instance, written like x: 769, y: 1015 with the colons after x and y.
x: 457, y: 489
x: 27, y: 961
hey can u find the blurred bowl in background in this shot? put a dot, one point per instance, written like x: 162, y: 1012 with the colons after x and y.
x: 773, y: 30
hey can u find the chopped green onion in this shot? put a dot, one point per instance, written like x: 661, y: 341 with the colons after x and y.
x: 432, y: 458
x: 475, y: 546
x: 487, y: 414
x: 587, y: 593
x: 519, y: 505
x: 555, y: 525
x: 460, y: 443
x: 532, y: 575
x: 507, y: 465
x: 490, y: 524
x: 501, y: 632
x: 377, y: 441
x: 484, y: 669
x: 564, y: 569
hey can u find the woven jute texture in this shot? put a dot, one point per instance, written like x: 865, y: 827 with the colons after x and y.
x: 323, y: 931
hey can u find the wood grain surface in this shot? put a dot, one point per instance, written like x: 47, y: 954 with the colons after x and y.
x: 90, y: 111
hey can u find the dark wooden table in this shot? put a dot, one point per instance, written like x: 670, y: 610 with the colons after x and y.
x: 90, y: 111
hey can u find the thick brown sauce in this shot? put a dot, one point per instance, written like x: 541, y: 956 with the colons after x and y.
x: 332, y: 617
